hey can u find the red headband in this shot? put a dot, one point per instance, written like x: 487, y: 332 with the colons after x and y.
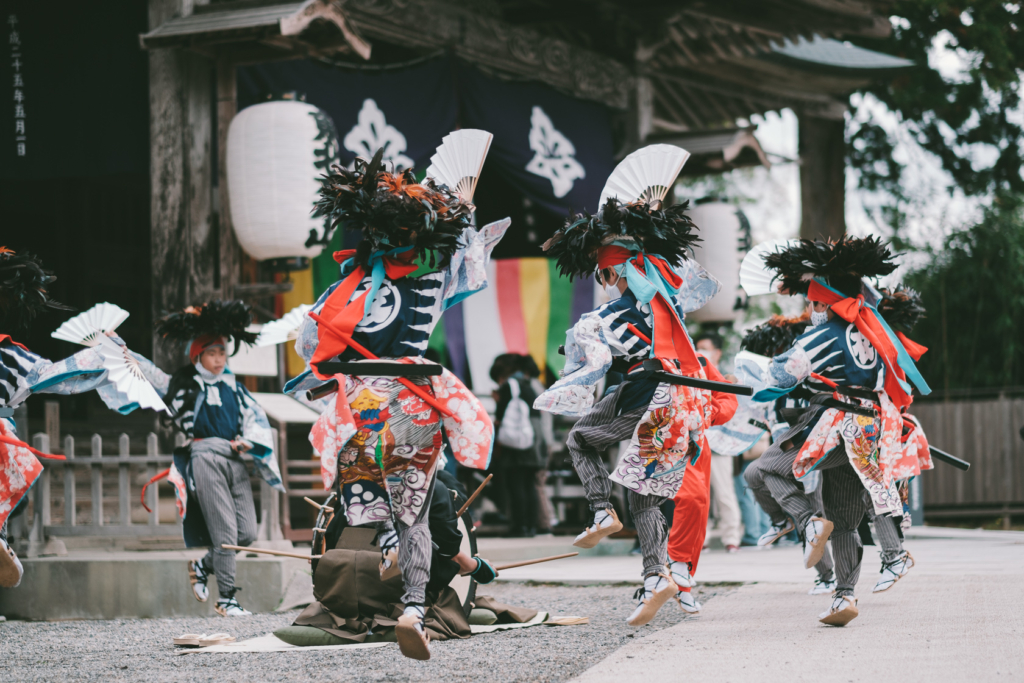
x: 612, y: 255
x: 203, y: 342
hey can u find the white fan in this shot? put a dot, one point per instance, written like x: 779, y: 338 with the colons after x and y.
x: 86, y: 328
x: 124, y: 371
x: 647, y: 174
x: 755, y: 277
x: 284, y: 329
x: 459, y: 160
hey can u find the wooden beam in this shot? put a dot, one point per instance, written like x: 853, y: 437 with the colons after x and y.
x: 227, y: 107
x: 822, y: 177
x: 183, y: 244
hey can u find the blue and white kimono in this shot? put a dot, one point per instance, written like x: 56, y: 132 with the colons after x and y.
x: 23, y: 373
x: 186, y: 405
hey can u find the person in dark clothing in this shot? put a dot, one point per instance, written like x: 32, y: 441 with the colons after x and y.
x: 447, y: 559
x: 511, y: 371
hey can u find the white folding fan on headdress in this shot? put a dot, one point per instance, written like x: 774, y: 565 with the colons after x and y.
x: 86, y: 328
x: 459, y: 161
x: 123, y: 370
x: 284, y: 329
x: 755, y: 277
x: 647, y: 174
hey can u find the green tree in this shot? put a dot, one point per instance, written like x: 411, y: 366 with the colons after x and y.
x: 947, y: 117
x: 974, y: 294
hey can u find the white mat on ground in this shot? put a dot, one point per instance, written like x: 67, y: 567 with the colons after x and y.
x: 271, y: 643
x: 542, y: 618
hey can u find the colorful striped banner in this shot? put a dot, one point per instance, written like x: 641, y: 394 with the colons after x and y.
x: 526, y: 308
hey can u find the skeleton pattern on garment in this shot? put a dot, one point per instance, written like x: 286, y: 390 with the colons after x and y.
x: 670, y: 434
x: 380, y: 422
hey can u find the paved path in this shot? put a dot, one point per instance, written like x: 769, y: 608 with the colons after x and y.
x: 956, y: 617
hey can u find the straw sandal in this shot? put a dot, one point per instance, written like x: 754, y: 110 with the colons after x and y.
x: 592, y: 535
x: 216, y: 639
x: 189, y: 639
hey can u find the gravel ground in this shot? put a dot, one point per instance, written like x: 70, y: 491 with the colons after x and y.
x: 140, y: 650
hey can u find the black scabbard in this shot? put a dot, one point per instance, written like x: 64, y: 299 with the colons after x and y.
x: 949, y: 459
x: 325, y: 389
x: 651, y: 369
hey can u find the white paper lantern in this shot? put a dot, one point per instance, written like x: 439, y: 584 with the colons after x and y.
x: 725, y: 238
x: 276, y: 151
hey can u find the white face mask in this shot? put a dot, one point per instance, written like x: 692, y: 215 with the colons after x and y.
x: 612, y: 291
x: 818, y: 318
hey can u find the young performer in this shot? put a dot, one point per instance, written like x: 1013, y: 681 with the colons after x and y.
x: 380, y: 436
x: 902, y: 309
x: 23, y: 295
x: 693, y: 502
x: 637, y: 246
x: 770, y: 339
x: 221, y: 421
x: 851, y: 350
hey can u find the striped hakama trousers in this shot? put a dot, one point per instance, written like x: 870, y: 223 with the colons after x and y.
x: 590, y: 436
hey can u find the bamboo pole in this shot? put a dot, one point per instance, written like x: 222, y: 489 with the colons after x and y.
x: 538, y: 560
x: 317, y: 505
x: 469, y: 501
x: 278, y: 553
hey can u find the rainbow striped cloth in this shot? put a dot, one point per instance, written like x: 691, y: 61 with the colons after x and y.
x: 527, y: 307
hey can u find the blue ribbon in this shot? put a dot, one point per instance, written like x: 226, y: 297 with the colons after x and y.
x: 646, y: 287
x: 903, y: 358
x: 377, y: 273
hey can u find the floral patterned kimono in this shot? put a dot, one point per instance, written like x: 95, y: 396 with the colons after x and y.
x: 671, y: 431
x: 836, y: 352
x: 375, y: 430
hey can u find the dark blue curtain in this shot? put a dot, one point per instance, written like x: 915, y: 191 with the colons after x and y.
x: 555, y: 150
x: 407, y: 111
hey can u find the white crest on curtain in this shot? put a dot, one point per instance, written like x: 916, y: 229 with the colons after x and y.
x: 372, y: 132
x: 554, y: 155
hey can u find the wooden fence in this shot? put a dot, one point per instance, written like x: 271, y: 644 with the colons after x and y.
x: 59, y: 515
x: 987, y: 434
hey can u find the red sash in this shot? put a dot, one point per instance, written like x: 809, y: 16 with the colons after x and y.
x: 853, y: 310
x: 6, y: 337
x: 343, y: 315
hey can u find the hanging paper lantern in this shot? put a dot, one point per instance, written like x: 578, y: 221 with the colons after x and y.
x: 725, y: 238
x: 275, y: 153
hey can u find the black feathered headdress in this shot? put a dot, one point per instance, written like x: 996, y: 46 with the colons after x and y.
x: 776, y: 335
x: 392, y: 210
x: 216, y: 318
x: 23, y: 292
x: 842, y: 263
x: 901, y: 307
x: 665, y: 231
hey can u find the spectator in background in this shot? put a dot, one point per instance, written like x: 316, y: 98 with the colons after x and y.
x: 755, y: 520
x: 723, y: 489
x: 543, y: 428
x: 519, y: 466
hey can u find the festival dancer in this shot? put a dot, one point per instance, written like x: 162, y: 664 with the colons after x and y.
x: 637, y: 246
x: 902, y: 309
x: 380, y: 436
x: 852, y: 351
x: 693, y: 502
x: 23, y: 295
x: 753, y: 419
x: 221, y: 421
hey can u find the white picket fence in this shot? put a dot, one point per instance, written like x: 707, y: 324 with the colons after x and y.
x: 66, y: 474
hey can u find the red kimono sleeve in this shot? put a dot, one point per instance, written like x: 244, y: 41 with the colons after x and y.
x: 723, y: 406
